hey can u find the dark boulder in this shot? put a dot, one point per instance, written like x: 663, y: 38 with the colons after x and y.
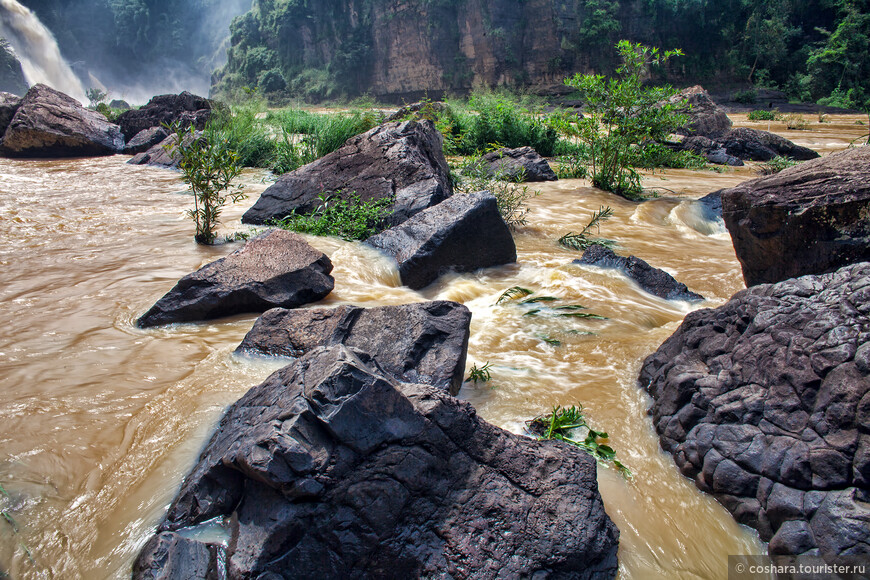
x: 462, y: 234
x: 712, y: 205
x: 120, y: 104
x: 521, y: 164
x: 162, y: 154
x: 331, y: 469
x: 145, y: 140
x: 765, y: 403
x: 49, y: 123
x: 9, y: 104
x: 706, y: 118
x: 185, y: 108
x: 170, y: 556
x: 424, y: 342
x: 401, y: 161
x: 807, y: 219
x: 755, y: 145
x: 713, y: 151
x: 275, y: 269
x: 653, y: 280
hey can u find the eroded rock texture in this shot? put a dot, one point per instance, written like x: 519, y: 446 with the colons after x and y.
x: 765, y: 403
x: 462, y: 234
x: 330, y: 469
x: 706, y: 118
x: 425, y: 342
x: 185, y: 108
x: 402, y: 161
x: 49, y: 123
x: 807, y: 219
x: 275, y: 269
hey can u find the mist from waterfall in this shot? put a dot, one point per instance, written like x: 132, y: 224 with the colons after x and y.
x: 37, y: 50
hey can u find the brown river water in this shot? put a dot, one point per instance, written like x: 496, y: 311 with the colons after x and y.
x: 100, y: 421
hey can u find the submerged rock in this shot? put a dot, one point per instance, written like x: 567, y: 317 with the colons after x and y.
x: 521, y: 164
x: 426, y: 342
x: 402, y: 161
x: 807, y: 219
x: 332, y: 469
x: 462, y: 234
x: 765, y: 403
x: 49, y: 123
x: 185, y: 108
x: 145, y: 140
x: 653, y: 280
x: 275, y: 269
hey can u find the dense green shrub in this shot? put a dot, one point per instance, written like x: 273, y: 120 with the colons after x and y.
x: 350, y: 219
x: 763, y: 115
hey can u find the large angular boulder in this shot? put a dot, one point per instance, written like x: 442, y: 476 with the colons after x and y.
x: 49, y: 123
x: 521, y: 164
x: 275, y: 269
x: 145, y: 140
x: 754, y: 145
x: 9, y: 104
x: 653, y: 280
x: 402, y: 161
x: 462, y: 234
x: 425, y: 342
x: 332, y: 469
x: 765, y: 403
x: 807, y: 219
x: 185, y: 108
x: 706, y: 118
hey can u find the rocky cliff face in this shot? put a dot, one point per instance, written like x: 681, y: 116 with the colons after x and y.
x: 405, y: 49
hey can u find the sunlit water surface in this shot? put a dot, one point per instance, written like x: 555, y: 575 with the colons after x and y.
x: 100, y: 421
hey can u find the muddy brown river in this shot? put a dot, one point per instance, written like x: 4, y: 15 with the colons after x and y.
x: 100, y: 421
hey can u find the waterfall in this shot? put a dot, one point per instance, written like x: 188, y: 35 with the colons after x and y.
x: 37, y: 50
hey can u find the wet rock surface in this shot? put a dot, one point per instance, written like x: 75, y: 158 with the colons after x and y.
x: 806, y: 219
x: 765, y: 403
x: 145, y: 140
x: 653, y: 280
x: 332, y: 469
x: 184, y: 108
x: 275, y: 269
x: 425, y: 342
x: 521, y: 165
x: 402, y: 161
x: 49, y: 123
x: 163, y: 154
x: 462, y: 234
x: 752, y: 144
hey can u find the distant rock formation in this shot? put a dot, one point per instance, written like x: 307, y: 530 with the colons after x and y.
x: 11, y: 74
x: 807, y: 219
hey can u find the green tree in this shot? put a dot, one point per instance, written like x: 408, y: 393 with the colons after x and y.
x: 622, y: 115
x: 208, y: 166
x: 840, y: 69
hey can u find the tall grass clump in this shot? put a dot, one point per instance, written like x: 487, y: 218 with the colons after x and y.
x: 245, y: 133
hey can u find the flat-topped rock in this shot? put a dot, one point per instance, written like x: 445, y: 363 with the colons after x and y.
x: 752, y: 144
x: 332, y: 469
x: 424, y: 342
x: 49, y: 123
x: 520, y: 165
x: 653, y: 280
x: 275, y: 269
x: 402, y: 161
x: 765, y: 403
x: 807, y: 219
x: 461, y: 234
